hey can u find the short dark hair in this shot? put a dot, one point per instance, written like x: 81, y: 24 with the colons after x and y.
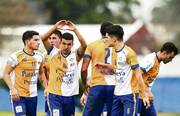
x: 58, y: 33
x: 104, y: 27
x: 169, y: 47
x: 117, y: 31
x: 27, y: 35
x: 67, y: 36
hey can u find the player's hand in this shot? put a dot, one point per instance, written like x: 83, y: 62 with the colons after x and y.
x: 146, y: 102
x: 71, y: 26
x: 86, y: 90
x: 46, y: 92
x: 14, y: 94
x: 60, y: 24
x: 83, y: 99
x: 105, y: 68
x: 151, y: 96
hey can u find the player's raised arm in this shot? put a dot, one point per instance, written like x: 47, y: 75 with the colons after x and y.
x: 44, y: 37
x: 82, y: 48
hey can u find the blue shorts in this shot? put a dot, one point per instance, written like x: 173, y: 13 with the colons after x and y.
x: 47, y: 112
x: 125, y: 105
x: 146, y: 112
x: 97, y: 97
x: 61, y: 105
x: 26, y: 106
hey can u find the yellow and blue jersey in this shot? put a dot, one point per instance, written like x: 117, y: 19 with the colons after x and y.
x: 63, y: 77
x: 98, y: 52
x: 126, y: 82
x: 150, y: 67
x: 26, y: 71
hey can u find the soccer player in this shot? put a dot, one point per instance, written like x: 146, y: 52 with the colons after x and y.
x: 54, y: 38
x: 128, y: 77
x: 21, y: 74
x: 103, y: 28
x: 63, y: 78
x: 101, y: 85
x: 150, y: 67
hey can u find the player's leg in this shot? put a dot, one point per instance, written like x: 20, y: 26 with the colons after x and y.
x: 19, y: 107
x: 148, y: 112
x: 95, y: 101
x: 47, y: 112
x: 109, y: 99
x: 55, y: 104
x: 117, y: 106
x: 68, y: 106
x: 31, y: 106
x: 130, y: 103
x: 104, y: 112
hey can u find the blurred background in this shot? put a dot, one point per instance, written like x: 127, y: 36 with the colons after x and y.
x: 147, y: 25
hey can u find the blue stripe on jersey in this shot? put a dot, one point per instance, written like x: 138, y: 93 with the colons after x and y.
x: 87, y: 56
x: 50, y: 50
x: 133, y: 67
x: 143, y: 69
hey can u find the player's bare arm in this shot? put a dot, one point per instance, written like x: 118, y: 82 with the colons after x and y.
x: 14, y: 93
x: 142, y: 87
x: 58, y: 25
x: 43, y: 79
x: 82, y: 48
x: 84, y: 73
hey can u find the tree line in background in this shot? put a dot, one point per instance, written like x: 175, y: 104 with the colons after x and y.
x: 79, y: 11
x: 27, y: 12
x: 91, y: 11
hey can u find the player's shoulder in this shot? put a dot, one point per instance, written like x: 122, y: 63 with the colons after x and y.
x: 17, y: 53
x: 38, y: 54
x: 95, y: 42
x: 128, y: 50
x: 150, y: 56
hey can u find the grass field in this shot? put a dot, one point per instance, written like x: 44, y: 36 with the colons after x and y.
x: 79, y: 114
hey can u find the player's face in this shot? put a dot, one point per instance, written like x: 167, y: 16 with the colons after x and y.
x: 66, y: 45
x: 168, y: 57
x: 54, y: 40
x: 110, y: 40
x: 34, y: 42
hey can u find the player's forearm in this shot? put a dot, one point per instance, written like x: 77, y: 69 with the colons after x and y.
x: 84, y: 76
x: 43, y: 80
x: 142, y: 86
x: 8, y: 81
x: 45, y: 37
x: 81, y: 39
x: 48, y: 33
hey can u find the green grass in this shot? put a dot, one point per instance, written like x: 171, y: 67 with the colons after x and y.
x: 79, y: 114
x: 38, y: 114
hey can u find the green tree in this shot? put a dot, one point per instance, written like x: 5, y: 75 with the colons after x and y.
x: 90, y: 11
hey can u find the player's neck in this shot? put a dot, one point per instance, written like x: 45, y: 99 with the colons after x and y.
x: 158, y: 55
x: 28, y: 50
x: 119, y: 46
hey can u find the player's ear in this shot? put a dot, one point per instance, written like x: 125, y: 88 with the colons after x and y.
x: 26, y: 42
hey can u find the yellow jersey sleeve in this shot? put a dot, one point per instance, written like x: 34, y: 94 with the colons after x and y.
x: 132, y: 59
x: 88, y: 52
x: 12, y: 60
